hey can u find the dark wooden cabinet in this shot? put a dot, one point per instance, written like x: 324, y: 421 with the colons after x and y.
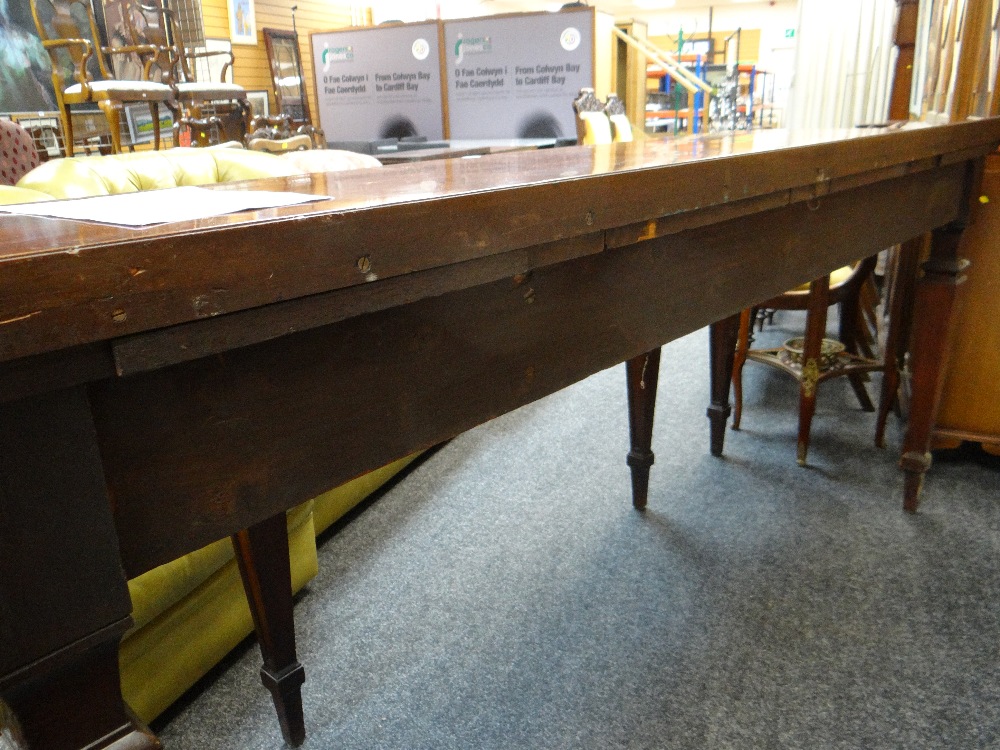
x: 970, y: 406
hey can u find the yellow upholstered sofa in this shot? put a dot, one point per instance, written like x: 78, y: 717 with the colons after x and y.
x: 192, y: 611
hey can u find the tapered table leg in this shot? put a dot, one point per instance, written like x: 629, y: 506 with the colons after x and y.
x: 262, y: 554
x: 898, y: 334
x: 932, y: 331
x: 722, y: 351
x: 642, y: 374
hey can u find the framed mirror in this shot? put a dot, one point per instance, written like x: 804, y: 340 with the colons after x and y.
x: 286, y: 74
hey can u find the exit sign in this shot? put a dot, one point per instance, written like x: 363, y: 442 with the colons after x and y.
x: 789, y: 33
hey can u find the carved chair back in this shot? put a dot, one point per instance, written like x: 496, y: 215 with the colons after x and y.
x: 68, y: 30
x: 149, y: 23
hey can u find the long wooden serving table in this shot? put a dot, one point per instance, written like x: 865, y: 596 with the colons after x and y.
x: 164, y: 388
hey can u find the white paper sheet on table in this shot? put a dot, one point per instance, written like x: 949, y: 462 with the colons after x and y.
x: 160, y: 206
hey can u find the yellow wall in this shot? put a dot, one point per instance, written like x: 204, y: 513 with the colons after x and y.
x: 251, y: 68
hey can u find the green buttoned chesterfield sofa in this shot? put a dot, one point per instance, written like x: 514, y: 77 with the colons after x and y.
x: 192, y: 611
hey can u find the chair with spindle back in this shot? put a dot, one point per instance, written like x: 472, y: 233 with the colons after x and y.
x: 155, y: 26
x: 69, y: 34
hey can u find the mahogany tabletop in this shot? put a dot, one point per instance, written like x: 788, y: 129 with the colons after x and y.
x: 65, y: 283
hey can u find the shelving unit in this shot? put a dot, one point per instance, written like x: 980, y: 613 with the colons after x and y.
x: 672, y: 105
x: 747, y: 101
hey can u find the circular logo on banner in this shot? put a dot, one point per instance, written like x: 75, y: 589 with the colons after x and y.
x: 570, y: 39
x: 421, y: 49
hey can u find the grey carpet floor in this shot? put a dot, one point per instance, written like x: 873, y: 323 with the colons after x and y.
x: 504, y: 594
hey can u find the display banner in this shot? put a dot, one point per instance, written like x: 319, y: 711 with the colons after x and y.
x: 382, y: 82
x: 516, y: 76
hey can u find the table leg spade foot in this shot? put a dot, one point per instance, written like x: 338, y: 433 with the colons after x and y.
x: 722, y: 353
x: 286, y: 692
x: 262, y: 554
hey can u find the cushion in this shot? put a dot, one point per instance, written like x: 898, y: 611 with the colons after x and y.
x: 334, y: 504
x: 81, y: 177
x: 596, y: 128
x: 329, y: 160
x: 621, y: 128
x: 838, y: 277
x: 11, y: 195
x: 210, y: 87
x: 18, y: 154
x: 124, y: 88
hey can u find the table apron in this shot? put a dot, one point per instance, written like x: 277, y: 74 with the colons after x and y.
x: 202, y: 449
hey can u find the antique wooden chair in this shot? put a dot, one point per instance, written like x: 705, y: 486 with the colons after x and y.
x: 156, y: 27
x: 621, y: 128
x: 68, y: 31
x: 592, y: 124
x: 812, y: 359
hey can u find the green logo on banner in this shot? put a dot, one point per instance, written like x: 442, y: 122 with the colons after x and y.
x: 472, y: 46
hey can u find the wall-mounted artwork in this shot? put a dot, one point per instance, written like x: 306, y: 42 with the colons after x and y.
x: 127, y: 67
x: 258, y: 103
x: 242, y: 24
x: 25, y: 70
x: 139, y: 119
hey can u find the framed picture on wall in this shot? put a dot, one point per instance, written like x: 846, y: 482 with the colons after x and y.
x: 45, y: 130
x: 127, y: 67
x: 242, y: 24
x: 140, y: 123
x: 258, y: 103
x: 27, y: 85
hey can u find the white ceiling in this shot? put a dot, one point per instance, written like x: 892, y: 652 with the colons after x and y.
x: 663, y: 16
x: 623, y: 7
